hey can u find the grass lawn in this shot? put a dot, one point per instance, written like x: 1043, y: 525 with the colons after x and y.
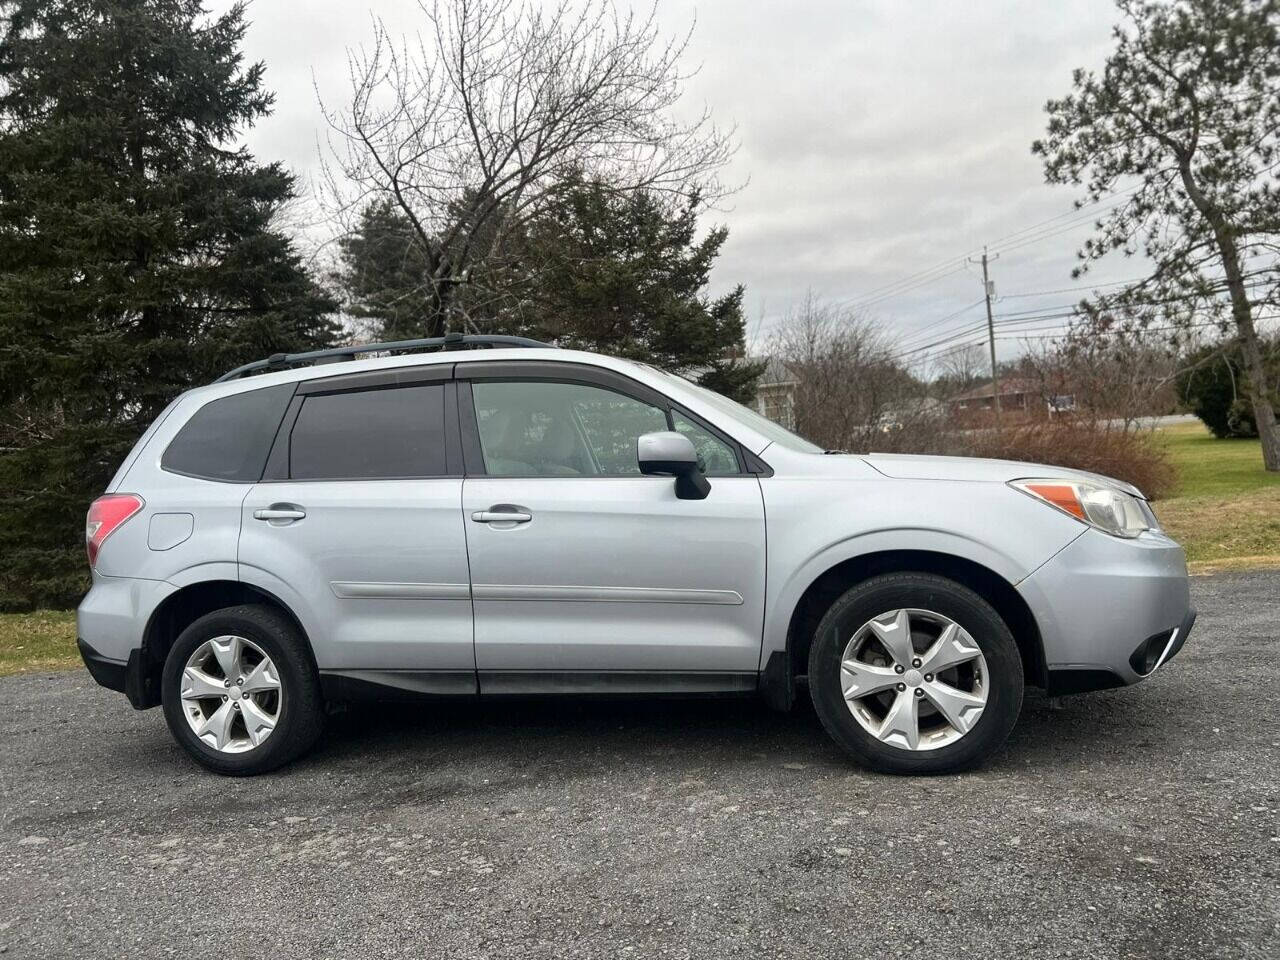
x: 43, y: 640
x: 1226, y: 508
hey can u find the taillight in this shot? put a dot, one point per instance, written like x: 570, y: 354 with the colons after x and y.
x: 105, y: 514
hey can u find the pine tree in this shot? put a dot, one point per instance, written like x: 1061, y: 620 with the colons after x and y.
x: 1188, y: 106
x: 138, y: 255
x: 385, y: 275
x: 623, y: 274
x: 620, y: 273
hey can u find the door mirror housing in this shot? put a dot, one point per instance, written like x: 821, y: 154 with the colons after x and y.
x: 670, y: 454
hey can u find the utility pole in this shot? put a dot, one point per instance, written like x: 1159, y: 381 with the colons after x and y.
x: 988, y: 288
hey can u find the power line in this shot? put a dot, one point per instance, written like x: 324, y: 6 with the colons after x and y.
x: 1052, y: 332
x: 1075, y: 212
x: 915, y: 334
x: 1158, y: 329
x: 1046, y: 293
x: 903, y: 286
x: 943, y: 341
x: 1057, y: 231
x: 951, y: 265
x: 1219, y: 288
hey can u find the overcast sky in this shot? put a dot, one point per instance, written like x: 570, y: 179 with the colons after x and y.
x: 881, y: 138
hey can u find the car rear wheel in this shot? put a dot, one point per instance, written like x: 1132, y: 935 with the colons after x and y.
x: 240, y: 693
x: 915, y: 673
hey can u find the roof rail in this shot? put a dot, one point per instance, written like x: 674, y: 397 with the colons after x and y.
x: 280, y: 361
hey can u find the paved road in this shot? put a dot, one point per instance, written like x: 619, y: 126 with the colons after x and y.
x: 1138, y: 823
x: 1149, y: 423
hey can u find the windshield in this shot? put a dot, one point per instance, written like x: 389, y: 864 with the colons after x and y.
x: 747, y: 417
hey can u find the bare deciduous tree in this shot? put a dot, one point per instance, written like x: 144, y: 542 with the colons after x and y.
x: 470, y: 129
x: 1115, y: 378
x: 851, y: 394
x: 960, y: 369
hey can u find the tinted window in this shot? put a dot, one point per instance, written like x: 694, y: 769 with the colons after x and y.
x: 549, y: 429
x: 229, y: 438
x: 715, y: 456
x: 369, y: 434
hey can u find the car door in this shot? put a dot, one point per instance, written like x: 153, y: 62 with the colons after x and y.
x: 586, y: 574
x: 358, y: 516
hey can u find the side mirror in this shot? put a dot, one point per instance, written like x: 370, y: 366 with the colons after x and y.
x: 670, y: 454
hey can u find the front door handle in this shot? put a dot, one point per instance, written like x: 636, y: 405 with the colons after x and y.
x: 502, y: 514
x: 279, y: 514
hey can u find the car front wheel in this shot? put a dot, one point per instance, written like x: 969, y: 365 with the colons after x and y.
x: 240, y: 693
x: 915, y: 673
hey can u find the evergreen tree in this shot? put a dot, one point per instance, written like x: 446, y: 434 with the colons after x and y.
x: 138, y: 255
x: 385, y: 275
x: 1188, y: 106
x: 620, y: 273
x: 1214, y: 384
x: 623, y: 274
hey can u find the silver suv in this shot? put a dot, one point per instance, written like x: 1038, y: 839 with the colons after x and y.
x: 520, y: 520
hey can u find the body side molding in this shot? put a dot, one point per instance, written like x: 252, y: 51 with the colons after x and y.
x: 589, y: 594
x: 351, y: 590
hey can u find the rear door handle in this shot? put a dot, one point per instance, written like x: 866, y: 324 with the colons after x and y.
x: 279, y: 514
x: 501, y: 516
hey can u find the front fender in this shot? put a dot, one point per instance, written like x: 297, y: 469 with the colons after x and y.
x: 924, y: 540
x: 815, y: 525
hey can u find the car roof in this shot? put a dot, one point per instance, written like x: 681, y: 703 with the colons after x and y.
x: 671, y: 387
x: 318, y: 371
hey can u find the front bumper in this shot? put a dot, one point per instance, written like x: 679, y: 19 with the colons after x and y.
x: 1110, y: 611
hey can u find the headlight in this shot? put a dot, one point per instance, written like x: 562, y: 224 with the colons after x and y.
x: 1102, y: 505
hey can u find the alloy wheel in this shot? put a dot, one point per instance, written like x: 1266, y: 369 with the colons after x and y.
x: 231, y: 694
x: 914, y: 679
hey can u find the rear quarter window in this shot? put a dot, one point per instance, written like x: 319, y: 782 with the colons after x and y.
x: 229, y: 438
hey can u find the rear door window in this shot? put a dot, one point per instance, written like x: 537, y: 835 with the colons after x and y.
x: 229, y: 438
x: 385, y: 434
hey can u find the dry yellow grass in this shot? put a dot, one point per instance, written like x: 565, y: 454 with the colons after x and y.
x: 43, y: 640
x: 1228, y: 532
x: 1227, y: 509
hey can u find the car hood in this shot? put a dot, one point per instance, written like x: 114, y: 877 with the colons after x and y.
x: 902, y: 466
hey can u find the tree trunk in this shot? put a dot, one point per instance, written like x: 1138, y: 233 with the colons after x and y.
x: 1259, y: 388
x: 1264, y: 413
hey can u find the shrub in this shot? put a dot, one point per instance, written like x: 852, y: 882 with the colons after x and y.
x: 1133, y: 457
x: 1215, y: 387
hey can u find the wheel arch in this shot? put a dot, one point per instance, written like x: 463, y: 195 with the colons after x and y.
x: 996, y: 589
x: 186, y: 605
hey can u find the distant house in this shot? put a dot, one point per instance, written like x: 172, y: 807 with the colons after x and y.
x: 776, y: 393
x: 1018, y: 395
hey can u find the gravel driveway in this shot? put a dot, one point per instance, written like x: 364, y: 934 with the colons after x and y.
x: 1141, y: 822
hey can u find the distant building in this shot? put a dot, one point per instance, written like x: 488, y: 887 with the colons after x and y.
x: 1018, y: 395
x: 776, y: 393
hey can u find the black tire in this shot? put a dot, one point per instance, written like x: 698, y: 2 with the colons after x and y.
x: 896, y: 591
x: 301, y: 716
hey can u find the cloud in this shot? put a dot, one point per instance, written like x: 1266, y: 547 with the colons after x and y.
x: 880, y: 137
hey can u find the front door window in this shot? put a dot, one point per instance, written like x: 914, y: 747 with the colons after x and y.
x: 550, y: 429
